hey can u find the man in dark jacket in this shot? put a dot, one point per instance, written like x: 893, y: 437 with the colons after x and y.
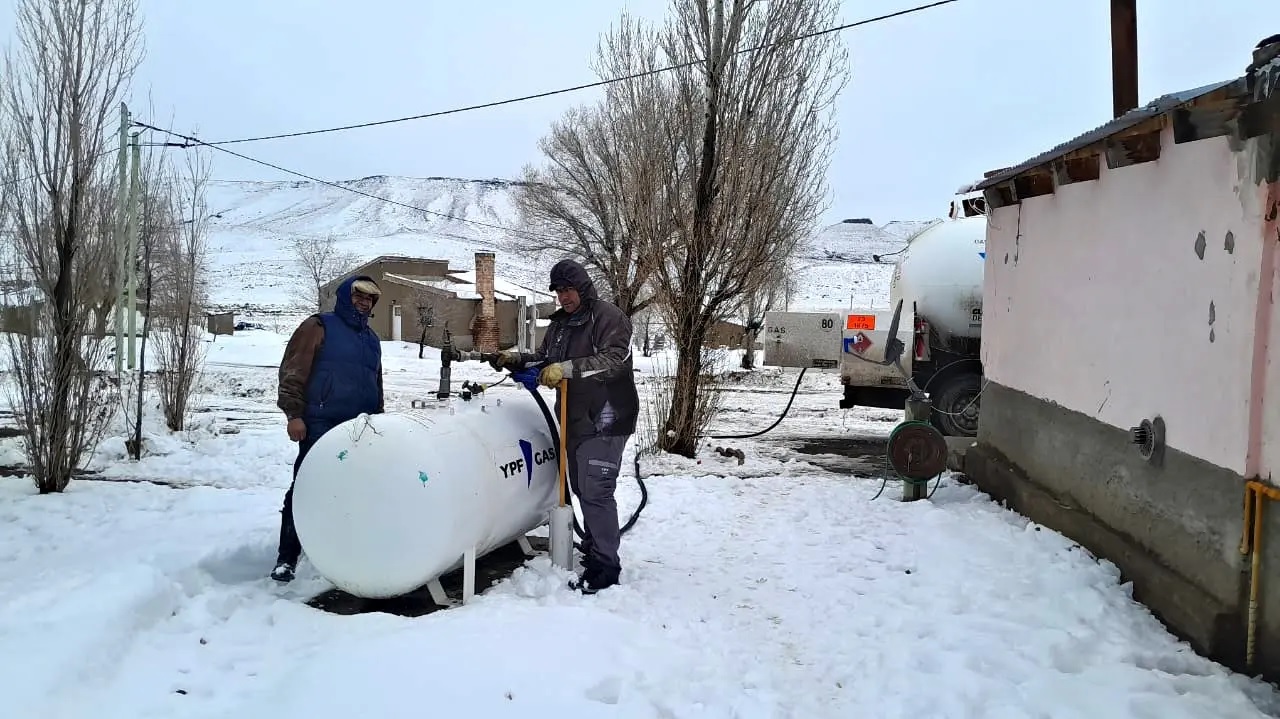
x: 331, y: 372
x: 589, y: 343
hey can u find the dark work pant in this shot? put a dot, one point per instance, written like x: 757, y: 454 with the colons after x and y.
x: 594, y: 464
x: 290, y: 548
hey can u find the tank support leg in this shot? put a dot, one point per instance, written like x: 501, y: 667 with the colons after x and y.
x: 468, y: 575
x: 438, y: 595
x: 526, y: 547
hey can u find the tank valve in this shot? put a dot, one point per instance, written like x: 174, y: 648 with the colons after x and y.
x: 1148, y: 437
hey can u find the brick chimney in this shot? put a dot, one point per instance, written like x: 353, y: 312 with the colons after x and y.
x: 1124, y: 56
x: 486, y: 328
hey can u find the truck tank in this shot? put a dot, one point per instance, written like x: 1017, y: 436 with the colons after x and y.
x: 941, y: 272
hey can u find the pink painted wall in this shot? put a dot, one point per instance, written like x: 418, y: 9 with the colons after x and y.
x: 1103, y: 306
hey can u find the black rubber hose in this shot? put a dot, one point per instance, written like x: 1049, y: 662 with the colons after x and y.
x: 555, y: 436
x: 794, y: 391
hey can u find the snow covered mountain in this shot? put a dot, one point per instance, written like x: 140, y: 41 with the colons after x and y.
x: 253, y: 223
x: 838, y: 269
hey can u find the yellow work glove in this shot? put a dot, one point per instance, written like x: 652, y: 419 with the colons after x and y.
x: 551, y: 375
x: 505, y: 358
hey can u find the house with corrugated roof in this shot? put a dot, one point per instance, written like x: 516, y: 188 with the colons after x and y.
x: 1131, y: 350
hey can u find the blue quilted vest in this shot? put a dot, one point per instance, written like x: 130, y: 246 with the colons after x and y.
x: 344, y: 375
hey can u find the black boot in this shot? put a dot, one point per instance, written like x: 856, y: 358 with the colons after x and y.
x: 588, y: 559
x: 284, y: 571
x: 596, y: 579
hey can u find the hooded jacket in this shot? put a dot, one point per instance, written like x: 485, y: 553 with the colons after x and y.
x: 332, y: 366
x: 593, y: 346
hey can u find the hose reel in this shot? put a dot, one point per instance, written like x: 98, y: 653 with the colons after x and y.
x: 917, y: 452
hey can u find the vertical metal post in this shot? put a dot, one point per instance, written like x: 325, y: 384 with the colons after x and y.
x: 135, y: 199
x: 122, y: 204
x: 522, y: 320
x: 531, y: 324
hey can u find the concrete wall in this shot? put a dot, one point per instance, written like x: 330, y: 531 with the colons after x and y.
x: 1096, y: 299
x: 1145, y: 292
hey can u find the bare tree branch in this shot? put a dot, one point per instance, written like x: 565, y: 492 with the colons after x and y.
x: 183, y: 293
x: 320, y: 261
x: 600, y: 196
x: 64, y: 81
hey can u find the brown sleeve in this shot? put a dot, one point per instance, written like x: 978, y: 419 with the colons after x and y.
x: 295, y: 367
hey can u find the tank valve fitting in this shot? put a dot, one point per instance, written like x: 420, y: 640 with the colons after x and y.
x: 1148, y: 437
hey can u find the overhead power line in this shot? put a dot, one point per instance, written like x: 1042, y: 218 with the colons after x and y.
x: 189, y: 141
x: 575, y: 88
x: 86, y: 161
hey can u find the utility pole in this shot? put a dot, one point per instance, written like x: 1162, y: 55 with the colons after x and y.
x: 1124, y: 56
x: 122, y: 204
x: 135, y: 198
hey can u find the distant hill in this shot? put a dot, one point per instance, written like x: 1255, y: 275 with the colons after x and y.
x: 254, y: 222
x: 838, y: 266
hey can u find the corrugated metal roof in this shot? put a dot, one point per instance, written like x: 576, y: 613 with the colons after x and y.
x: 1155, y: 108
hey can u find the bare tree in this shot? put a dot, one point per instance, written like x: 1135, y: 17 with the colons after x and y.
x: 183, y: 292
x: 426, y: 313
x: 104, y: 290
x: 646, y: 341
x: 320, y: 261
x: 750, y: 131
x: 769, y: 296
x: 600, y: 197
x: 64, y: 81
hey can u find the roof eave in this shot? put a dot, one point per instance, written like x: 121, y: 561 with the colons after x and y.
x: 1158, y: 107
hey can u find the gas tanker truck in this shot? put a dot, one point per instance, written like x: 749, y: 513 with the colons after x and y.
x: 927, y: 341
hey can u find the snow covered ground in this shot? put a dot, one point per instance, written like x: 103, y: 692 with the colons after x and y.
x: 777, y: 588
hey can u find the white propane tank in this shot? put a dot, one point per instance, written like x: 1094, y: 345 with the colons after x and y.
x: 386, y: 503
x: 941, y: 272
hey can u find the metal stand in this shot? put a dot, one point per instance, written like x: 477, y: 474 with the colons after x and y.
x: 438, y: 595
x: 468, y: 575
x: 526, y: 547
x: 562, y: 536
x: 918, y: 409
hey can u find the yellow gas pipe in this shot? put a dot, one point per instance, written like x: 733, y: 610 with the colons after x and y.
x: 1251, y: 542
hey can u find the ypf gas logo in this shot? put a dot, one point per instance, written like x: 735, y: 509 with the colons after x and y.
x: 528, y: 459
x: 526, y: 449
x: 523, y: 464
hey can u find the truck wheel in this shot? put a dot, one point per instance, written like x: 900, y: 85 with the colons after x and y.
x: 956, y: 405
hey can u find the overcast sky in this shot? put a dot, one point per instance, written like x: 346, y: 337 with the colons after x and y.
x: 935, y: 98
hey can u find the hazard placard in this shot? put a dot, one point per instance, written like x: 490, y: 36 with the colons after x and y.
x: 860, y: 322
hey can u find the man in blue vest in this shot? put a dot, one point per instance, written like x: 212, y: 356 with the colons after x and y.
x: 331, y: 372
